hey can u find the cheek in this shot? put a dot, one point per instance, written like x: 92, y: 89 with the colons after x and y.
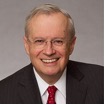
x: 64, y: 52
x: 64, y: 57
x: 34, y: 52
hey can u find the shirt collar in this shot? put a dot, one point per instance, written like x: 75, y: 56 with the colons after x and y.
x: 60, y: 84
x: 41, y: 83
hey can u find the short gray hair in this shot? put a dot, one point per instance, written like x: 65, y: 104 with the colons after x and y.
x: 49, y: 9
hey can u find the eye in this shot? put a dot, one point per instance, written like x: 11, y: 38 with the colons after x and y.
x: 39, y: 41
x: 58, y: 42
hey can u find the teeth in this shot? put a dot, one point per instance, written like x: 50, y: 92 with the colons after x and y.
x: 49, y: 61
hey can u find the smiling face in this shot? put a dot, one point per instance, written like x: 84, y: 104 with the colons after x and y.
x: 45, y: 32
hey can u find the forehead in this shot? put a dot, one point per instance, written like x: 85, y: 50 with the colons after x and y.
x: 48, y: 23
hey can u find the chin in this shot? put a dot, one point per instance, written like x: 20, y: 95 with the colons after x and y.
x: 52, y: 73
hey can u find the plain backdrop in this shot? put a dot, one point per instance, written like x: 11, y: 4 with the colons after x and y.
x: 88, y: 16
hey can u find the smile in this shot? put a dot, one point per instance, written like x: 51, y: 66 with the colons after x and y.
x: 49, y: 60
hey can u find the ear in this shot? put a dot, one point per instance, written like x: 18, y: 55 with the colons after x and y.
x: 26, y: 44
x: 72, y: 44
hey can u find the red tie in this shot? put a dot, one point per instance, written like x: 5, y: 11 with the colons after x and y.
x: 51, y: 98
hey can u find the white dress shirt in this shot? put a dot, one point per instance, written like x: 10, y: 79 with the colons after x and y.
x: 60, y: 96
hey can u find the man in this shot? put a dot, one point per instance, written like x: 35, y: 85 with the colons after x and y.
x: 51, y: 78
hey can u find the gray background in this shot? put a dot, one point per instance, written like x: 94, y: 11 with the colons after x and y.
x: 87, y: 15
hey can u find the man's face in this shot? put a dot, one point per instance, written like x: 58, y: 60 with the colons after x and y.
x: 48, y: 46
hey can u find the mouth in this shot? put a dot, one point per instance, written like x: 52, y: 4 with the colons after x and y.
x: 49, y: 60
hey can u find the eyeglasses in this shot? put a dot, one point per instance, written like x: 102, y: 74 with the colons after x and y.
x: 41, y: 43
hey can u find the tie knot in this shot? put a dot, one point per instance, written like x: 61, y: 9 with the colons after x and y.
x: 51, y: 89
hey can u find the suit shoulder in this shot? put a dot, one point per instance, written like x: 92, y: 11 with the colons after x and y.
x: 10, y: 85
x: 14, y: 77
x: 86, y: 66
x: 88, y: 70
x: 91, y: 72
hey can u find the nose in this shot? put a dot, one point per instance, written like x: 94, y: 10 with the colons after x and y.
x: 49, y: 50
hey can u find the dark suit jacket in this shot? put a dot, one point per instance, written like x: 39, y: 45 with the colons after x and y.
x: 84, y: 84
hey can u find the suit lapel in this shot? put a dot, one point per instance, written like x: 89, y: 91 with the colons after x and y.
x: 28, y: 88
x: 75, y: 89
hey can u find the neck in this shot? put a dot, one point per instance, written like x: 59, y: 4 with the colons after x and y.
x: 51, y: 79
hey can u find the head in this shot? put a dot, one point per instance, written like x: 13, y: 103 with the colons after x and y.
x: 49, y: 39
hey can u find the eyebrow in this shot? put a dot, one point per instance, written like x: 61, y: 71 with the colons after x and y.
x: 45, y: 38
